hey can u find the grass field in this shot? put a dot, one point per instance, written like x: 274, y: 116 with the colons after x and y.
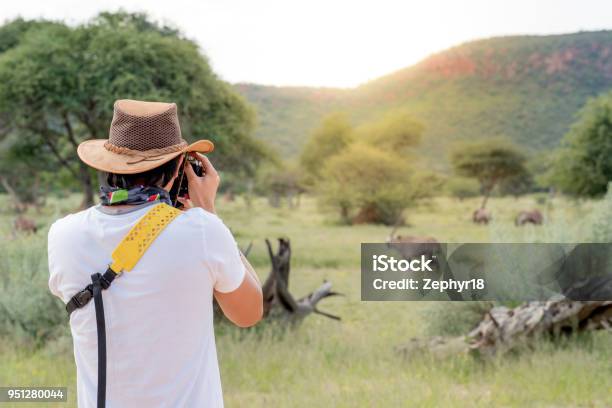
x: 351, y: 363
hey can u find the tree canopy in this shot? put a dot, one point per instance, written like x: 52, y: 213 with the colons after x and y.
x: 583, y: 164
x: 489, y: 161
x: 367, y: 172
x: 396, y: 131
x: 333, y: 136
x: 368, y: 180
x: 60, y: 82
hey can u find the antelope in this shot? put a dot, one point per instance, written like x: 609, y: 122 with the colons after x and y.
x: 481, y: 216
x: 23, y: 224
x: 525, y: 217
x: 412, y: 246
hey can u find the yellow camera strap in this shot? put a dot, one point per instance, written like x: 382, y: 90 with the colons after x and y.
x: 129, y: 251
x: 125, y: 256
x: 133, y: 246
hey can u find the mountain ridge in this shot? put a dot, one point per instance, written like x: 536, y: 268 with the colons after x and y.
x: 526, y: 87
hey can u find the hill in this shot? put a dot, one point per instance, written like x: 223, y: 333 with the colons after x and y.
x: 286, y: 115
x: 525, y: 87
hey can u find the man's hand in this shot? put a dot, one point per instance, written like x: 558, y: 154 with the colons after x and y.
x: 202, y: 190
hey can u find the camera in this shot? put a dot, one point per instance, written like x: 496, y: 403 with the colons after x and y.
x: 180, y: 186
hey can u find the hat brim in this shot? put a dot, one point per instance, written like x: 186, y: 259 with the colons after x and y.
x: 94, y: 154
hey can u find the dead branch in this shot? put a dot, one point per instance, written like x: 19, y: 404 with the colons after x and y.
x: 278, y: 300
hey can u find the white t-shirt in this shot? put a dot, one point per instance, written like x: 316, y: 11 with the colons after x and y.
x: 159, y: 316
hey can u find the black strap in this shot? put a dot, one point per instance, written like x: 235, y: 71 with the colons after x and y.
x: 83, y: 297
x: 94, y: 290
x: 96, y: 280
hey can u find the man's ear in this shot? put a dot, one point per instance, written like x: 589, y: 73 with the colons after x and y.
x: 178, y: 166
x: 168, y: 186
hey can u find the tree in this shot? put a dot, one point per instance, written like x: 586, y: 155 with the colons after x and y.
x: 488, y: 161
x: 367, y: 184
x: 14, y: 31
x: 59, y: 85
x: 281, y: 181
x: 396, y: 132
x: 583, y: 164
x: 19, y: 161
x: 332, y: 137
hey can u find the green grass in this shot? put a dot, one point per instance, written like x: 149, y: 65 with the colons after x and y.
x: 353, y: 362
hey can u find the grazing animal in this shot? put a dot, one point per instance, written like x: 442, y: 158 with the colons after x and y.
x: 412, y: 247
x: 23, y: 224
x: 526, y: 217
x: 481, y: 216
x: 419, y: 245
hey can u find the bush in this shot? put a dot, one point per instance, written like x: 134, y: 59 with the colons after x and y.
x: 368, y: 185
x: 28, y: 311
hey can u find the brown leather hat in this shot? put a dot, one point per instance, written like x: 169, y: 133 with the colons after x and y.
x: 143, y: 135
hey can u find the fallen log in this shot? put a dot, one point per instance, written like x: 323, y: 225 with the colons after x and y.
x: 504, y: 329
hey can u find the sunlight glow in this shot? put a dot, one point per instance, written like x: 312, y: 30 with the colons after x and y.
x: 333, y: 43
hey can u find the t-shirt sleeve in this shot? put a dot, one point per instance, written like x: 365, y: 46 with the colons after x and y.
x: 52, y: 251
x: 222, y: 255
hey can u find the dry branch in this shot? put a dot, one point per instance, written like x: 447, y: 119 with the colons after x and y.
x: 278, y: 301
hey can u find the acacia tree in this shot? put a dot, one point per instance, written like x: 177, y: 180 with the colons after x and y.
x: 489, y: 161
x: 583, y: 164
x: 59, y: 85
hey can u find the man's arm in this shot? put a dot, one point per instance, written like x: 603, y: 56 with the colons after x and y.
x: 250, y: 269
x: 243, y: 306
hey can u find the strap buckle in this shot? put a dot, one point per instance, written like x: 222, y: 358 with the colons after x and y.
x: 108, y: 277
x: 109, y: 270
x: 81, y: 298
x: 117, y: 274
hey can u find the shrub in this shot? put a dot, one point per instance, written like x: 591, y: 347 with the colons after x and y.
x: 368, y: 184
x: 28, y: 311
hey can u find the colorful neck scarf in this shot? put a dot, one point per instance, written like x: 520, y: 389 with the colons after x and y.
x: 133, y: 196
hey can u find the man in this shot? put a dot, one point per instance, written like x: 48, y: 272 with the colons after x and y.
x: 159, y: 316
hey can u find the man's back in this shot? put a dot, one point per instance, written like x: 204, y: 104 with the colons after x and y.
x: 159, y: 318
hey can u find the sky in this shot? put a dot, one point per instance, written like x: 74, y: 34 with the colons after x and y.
x: 333, y: 43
